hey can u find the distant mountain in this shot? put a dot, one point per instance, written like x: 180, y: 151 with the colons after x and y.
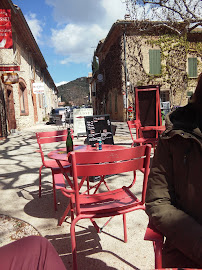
x: 75, y: 92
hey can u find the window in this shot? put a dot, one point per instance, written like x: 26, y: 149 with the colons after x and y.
x: 23, y: 98
x: 39, y: 98
x: 93, y: 89
x: 192, y: 67
x: 32, y: 67
x: 16, y: 49
x: 154, y: 62
x: 164, y: 96
x: 189, y: 94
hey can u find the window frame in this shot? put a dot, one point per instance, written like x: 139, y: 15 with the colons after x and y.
x: 23, y: 99
x: 164, y: 95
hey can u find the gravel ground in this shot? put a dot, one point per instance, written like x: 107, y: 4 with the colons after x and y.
x: 12, y: 229
x: 19, y: 172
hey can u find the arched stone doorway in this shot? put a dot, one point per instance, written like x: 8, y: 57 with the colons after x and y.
x: 10, y: 109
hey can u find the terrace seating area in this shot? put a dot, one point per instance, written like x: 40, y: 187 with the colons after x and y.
x: 19, y: 190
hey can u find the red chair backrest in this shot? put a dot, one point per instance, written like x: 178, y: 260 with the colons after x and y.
x: 135, y: 124
x: 110, y: 162
x: 51, y: 137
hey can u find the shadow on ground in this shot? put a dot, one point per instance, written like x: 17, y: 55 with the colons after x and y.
x: 88, y: 244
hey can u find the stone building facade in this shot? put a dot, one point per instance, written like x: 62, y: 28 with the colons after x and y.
x: 146, y: 53
x: 20, y: 106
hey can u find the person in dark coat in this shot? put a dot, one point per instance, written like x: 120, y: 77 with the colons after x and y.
x: 174, y: 191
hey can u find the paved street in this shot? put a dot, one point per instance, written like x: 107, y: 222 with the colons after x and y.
x: 19, y: 173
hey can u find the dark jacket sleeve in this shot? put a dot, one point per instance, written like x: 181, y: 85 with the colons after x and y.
x: 181, y: 229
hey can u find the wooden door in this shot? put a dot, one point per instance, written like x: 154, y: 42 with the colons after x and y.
x: 34, y: 105
x: 3, y: 126
x: 10, y: 110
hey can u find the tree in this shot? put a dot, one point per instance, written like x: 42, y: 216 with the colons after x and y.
x: 168, y: 12
x: 95, y: 65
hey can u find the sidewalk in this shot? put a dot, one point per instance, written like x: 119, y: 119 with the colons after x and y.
x: 19, y: 173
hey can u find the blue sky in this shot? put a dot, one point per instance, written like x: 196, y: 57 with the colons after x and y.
x: 68, y: 31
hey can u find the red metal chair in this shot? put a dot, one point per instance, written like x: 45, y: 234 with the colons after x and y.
x: 110, y: 203
x: 152, y: 234
x: 57, y: 176
x: 135, y: 125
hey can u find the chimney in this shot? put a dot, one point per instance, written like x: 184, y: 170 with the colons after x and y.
x: 127, y: 17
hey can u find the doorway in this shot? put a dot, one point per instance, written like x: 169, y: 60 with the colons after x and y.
x: 10, y: 109
x: 3, y: 126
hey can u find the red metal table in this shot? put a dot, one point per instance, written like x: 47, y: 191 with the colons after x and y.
x: 61, y: 155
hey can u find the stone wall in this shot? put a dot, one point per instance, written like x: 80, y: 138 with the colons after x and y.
x: 118, y: 56
x: 174, y: 59
x: 111, y: 67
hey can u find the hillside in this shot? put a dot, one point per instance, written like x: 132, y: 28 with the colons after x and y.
x: 75, y: 92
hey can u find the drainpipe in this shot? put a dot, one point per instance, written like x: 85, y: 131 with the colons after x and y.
x: 125, y: 70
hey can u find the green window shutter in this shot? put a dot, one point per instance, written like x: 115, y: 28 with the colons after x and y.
x: 192, y: 67
x: 154, y: 62
x: 189, y: 93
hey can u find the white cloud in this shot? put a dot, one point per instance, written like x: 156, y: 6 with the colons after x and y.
x: 115, y: 10
x: 81, y: 24
x: 61, y: 83
x: 35, y: 26
x: 77, y: 43
x: 101, y: 12
x: 77, y: 11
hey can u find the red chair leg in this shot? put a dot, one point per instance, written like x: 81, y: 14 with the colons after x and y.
x: 64, y: 215
x: 73, y: 242
x: 125, y: 228
x: 158, y: 254
x: 72, y: 210
x: 95, y: 225
x: 88, y: 185
x: 40, y: 180
x: 152, y: 234
x: 54, y: 191
x: 154, y: 147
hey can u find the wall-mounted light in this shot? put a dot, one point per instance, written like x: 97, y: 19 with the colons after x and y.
x: 128, y: 83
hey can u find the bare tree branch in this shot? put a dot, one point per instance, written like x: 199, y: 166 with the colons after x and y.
x: 195, y: 26
x: 168, y: 11
x: 189, y: 10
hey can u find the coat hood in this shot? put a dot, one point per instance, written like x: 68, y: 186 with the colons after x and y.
x: 184, y: 119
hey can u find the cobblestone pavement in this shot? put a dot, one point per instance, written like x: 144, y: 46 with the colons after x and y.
x: 19, y: 173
